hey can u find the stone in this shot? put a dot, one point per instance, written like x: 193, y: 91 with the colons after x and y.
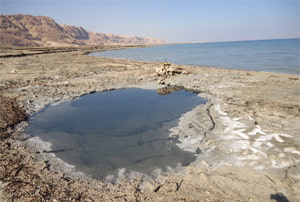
x: 167, y: 70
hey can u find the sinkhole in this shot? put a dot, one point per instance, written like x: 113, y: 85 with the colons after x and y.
x: 103, y: 132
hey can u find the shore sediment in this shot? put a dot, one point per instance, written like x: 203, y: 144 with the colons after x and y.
x: 246, y: 136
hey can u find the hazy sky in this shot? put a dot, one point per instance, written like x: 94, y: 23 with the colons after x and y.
x: 172, y: 20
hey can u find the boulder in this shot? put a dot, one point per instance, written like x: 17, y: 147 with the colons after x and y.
x: 167, y: 70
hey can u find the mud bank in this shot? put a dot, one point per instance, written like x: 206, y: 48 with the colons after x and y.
x: 246, y: 136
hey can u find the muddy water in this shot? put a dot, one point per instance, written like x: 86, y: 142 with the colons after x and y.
x: 129, y: 128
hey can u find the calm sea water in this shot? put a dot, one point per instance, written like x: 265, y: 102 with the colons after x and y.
x: 282, y: 55
x: 103, y: 132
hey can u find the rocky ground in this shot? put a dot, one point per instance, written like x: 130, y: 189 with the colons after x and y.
x: 247, y: 135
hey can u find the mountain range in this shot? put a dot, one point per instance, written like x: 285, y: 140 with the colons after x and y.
x: 28, y: 30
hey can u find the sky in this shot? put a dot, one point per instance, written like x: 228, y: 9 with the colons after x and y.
x: 174, y: 21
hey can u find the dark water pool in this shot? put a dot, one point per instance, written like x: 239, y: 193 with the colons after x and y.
x: 103, y: 132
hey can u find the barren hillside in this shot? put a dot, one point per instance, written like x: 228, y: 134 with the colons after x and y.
x: 27, y: 30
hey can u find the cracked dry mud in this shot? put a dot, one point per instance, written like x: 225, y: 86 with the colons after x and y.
x: 246, y: 136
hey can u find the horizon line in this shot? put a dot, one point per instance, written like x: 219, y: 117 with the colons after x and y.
x: 266, y: 39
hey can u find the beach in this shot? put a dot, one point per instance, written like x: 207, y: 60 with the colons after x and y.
x: 248, y: 132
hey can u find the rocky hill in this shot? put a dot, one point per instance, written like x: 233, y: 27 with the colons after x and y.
x: 28, y: 30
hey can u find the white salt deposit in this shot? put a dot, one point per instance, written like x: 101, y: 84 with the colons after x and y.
x: 251, y: 146
x: 44, y: 146
x: 292, y: 150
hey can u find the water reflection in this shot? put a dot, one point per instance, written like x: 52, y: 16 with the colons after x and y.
x: 168, y: 90
x: 102, y: 132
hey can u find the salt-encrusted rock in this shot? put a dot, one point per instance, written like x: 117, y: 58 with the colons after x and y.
x: 168, y: 70
x: 160, y: 71
x: 171, y: 71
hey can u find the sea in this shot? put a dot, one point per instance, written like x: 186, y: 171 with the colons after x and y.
x: 278, y: 55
